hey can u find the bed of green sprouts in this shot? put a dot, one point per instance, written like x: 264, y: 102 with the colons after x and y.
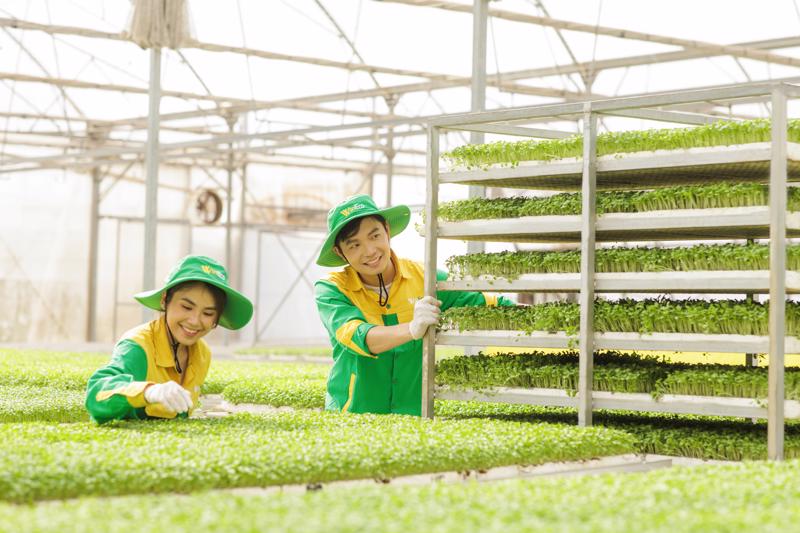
x: 627, y: 315
x: 714, y: 195
x: 721, y: 133
x: 511, y: 265
x: 613, y: 372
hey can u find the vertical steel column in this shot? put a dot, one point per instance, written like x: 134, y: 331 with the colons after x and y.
x: 390, y: 153
x: 257, y: 299
x: 91, y: 281
x: 431, y: 233
x: 188, y: 219
x: 242, y: 229
x: 151, y: 184
x: 480, y: 14
x: 229, y: 198
x: 118, y: 247
x: 777, y: 274
x: 588, y: 221
x: 228, y: 219
x: 227, y: 334
x: 368, y: 177
x: 374, y: 159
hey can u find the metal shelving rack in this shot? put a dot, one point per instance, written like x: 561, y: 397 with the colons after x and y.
x: 778, y: 161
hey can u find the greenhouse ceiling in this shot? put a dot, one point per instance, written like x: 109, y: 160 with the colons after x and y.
x: 340, y: 83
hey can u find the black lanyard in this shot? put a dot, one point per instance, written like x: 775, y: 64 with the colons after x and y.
x: 174, y: 345
x: 382, y: 290
x: 175, y: 357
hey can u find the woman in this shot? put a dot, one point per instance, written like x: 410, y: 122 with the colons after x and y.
x: 157, y: 368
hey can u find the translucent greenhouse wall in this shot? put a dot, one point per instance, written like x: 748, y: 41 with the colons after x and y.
x: 44, y: 249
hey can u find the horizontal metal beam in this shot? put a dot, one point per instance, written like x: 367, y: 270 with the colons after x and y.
x: 733, y: 50
x: 676, y: 117
x: 219, y: 159
x: 468, y: 119
x: 640, y: 60
x: 274, y: 228
x: 302, y: 102
x: 505, y: 129
x: 299, y: 133
x: 77, y: 84
x: 214, y: 47
x: 666, y: 98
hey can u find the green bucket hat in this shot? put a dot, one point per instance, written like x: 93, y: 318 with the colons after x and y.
x: 238, y: 309
x: 354, y: 207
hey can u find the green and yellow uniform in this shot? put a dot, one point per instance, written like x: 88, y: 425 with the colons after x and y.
x: 142, y: 357
x: 391, y: 381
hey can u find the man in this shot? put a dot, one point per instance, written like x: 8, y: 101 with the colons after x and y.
x: 374, y: 310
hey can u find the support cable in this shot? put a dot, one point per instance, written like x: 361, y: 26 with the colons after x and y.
x: 305, y: 15
x: 205, y: 87
x: 346, y: 98
x: 58, y: 70
x: 244, y: 44
x: 494, y: 50
x: 59, y: 98
x: 539, y: 4
x: 13, y: 88
x: 590, y: 76
x: 15, y: 94
x: 344, y: 36
x: 24, y: 49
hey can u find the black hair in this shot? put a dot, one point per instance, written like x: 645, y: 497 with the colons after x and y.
x: 219, y: 296
x: 352, y: 227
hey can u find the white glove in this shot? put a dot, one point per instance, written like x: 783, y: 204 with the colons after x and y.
x: 170, y: 395
x: 426, y: 313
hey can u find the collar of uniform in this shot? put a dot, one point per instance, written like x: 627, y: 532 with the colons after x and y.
x: 400, y: 265
x: 354, y: 283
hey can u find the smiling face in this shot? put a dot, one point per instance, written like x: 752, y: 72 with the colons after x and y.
x: 367, y: 249
x: 191, y: 312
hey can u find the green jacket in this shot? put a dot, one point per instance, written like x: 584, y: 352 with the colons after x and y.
x: 142, y: 357
x: 391, y: 381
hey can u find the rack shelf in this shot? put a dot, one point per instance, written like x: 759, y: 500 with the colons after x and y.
x: 702, y: 281
x: 680, y: 342
x: 685, y: 224
x: 747, y: 162
x: 668, y: 403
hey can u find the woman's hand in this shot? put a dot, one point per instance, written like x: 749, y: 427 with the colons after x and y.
x: 170, y: 395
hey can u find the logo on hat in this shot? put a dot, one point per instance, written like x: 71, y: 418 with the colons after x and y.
x: 208, y: 270
x: 356, y: 207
